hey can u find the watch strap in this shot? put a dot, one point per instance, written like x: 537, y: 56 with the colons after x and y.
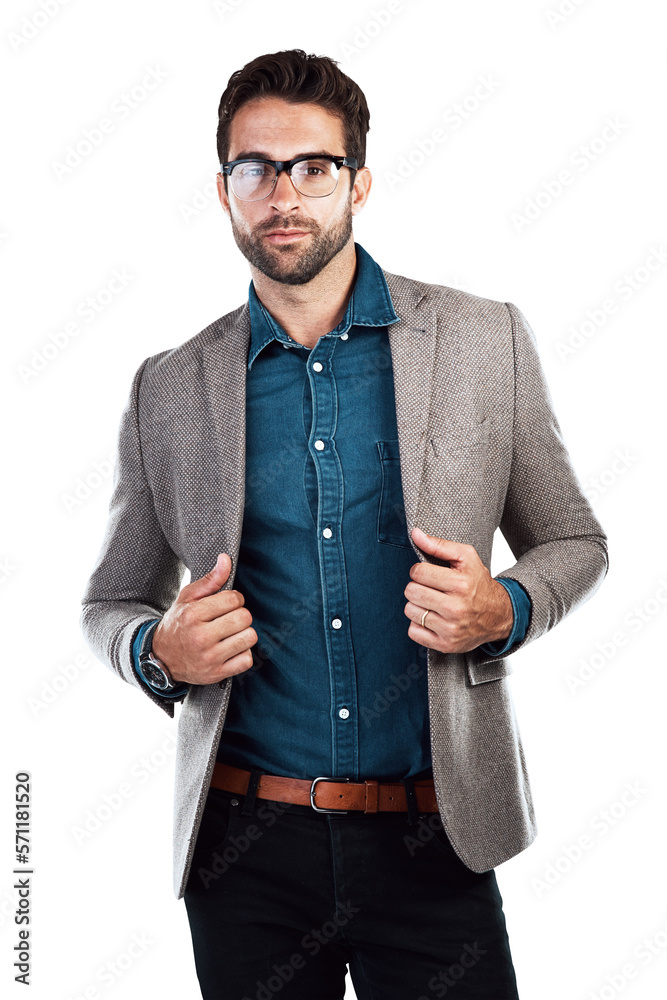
x: 145, y: 636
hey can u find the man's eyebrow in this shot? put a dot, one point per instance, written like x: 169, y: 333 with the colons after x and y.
x: 259, y: 154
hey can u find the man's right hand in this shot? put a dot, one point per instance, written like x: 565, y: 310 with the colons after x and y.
x: 205, y: 635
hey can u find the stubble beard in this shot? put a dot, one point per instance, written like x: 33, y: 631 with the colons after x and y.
x: 294, y: 263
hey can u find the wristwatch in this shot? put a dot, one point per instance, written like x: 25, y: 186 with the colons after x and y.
x: 156, y: 672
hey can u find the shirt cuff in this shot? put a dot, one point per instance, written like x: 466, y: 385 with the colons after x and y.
x: 521, y: 606
x: 142, y: 644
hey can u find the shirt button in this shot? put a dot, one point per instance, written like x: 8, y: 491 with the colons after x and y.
x: 317, y: 366
x: 337, y: 623
x: 319, y: 445
x: 327, y: 533
x: 286, y: 345
x: 344, y: 713
x: 344, y: 336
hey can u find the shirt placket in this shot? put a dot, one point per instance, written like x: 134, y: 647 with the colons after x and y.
x: 333, y: 578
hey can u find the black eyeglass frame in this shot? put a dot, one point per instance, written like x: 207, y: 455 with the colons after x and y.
x: 286, y: 165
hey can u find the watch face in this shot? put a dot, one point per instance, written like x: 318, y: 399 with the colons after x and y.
x: 155, y: 675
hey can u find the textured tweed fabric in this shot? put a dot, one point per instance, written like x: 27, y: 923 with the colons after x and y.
x: 480, y: 448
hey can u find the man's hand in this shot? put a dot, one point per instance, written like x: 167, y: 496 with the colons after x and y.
x: 205, y: 635
x: 467, y: 607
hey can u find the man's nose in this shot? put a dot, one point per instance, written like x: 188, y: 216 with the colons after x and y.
x: 284, y: 195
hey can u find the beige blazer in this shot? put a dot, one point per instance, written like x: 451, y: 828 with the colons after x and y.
x: 480, y: 448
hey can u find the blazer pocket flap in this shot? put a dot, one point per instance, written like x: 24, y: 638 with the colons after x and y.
x: 455, y: 435
x: 481, y: 668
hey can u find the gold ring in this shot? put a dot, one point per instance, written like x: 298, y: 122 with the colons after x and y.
x: 424, y: 618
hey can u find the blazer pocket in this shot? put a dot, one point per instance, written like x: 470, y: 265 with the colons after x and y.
x: 481, y: 669
x: 456, y: 462
x: 456, y: 436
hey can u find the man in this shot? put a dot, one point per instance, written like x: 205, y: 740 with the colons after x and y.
x: 308, y: 445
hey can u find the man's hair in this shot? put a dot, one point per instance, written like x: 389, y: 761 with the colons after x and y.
x: 298, y: 78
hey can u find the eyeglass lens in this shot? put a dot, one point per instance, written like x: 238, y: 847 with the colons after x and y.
x: 254, y: 180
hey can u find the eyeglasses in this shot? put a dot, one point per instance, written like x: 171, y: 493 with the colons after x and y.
x: 312, y: 176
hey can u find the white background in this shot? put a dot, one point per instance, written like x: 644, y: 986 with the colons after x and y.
x: 143, y: 202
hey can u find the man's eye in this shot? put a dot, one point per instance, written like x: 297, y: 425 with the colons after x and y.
x: 252, y: 170
x: 313, y: 168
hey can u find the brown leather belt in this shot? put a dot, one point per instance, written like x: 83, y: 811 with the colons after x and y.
x: 333, y: 794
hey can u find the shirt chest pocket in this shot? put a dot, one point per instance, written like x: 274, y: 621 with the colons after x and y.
x: 391, y: 523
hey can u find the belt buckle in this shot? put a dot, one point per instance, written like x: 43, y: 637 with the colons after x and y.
x: 319, y: 809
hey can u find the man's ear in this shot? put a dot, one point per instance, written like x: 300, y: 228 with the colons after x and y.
x: 361, y: 189
x: 222, y: 194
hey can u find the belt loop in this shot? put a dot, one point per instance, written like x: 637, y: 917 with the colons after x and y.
x: 253, y: 782
x: 411, y: 800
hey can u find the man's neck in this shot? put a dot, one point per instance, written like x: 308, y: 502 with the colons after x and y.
x: 307, y: 312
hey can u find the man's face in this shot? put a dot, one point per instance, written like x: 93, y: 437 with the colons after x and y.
x: 319, y: 227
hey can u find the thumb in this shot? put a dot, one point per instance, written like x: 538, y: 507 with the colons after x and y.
x: 444, y: 549
x: 211, y: 582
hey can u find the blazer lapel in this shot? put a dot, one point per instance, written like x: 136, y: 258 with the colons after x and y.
x: 412, y: 342
x: 225, y: 361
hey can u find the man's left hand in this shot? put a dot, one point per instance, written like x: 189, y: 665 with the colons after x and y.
x: 467, y: 607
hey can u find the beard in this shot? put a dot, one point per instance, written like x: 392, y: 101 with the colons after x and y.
x: 294, y: 263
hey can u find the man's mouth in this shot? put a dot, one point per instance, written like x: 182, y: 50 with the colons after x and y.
x: 279, y: 236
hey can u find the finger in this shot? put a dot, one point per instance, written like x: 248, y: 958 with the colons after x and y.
x: 439, y: 577
x: 222, y: 626
x: 238, y: 664
x: 414, y: 612
x: 232, y: 646
x: 210, y: 583
x: 432, y: 596
x: 443, y: 548
x: 209, y: 609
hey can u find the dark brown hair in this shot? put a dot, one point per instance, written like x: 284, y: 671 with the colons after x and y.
x: 298, y: 78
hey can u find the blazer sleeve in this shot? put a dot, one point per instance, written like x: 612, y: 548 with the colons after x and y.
x: 137, y: 576
x: 559, y: 545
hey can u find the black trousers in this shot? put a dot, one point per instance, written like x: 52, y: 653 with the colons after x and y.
x: 281, y: 899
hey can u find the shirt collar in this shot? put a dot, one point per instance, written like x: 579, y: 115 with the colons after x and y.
x: 370, y: 305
